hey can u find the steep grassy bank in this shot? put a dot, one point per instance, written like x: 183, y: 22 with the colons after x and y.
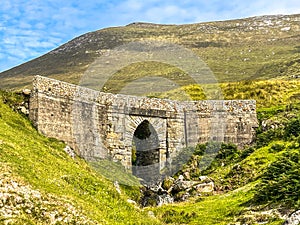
x: 41, y: 184
x: 258, y: 184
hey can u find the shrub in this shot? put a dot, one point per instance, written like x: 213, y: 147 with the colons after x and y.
x: 227, y: 152
x: 173, y: 216
x: 263, y: 139
x: 281, y: 184
x: 246, y: 152
x: 200, y: 149
x: 223, y: 154
x: 276, y: 148
x: 292, y: 129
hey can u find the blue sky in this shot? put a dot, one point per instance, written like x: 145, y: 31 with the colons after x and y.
x: 31, y: 28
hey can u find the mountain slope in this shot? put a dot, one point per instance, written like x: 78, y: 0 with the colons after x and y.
x: 252, y: 48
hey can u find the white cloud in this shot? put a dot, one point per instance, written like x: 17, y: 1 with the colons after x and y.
x: 278, y: 7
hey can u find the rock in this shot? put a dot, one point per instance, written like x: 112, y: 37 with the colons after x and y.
x: 205, y: 187
x: 117, y: 186
x: 180, y: 177
x: 131, y: 201
x: 182, y: 188
x: 151, y: 214
x: 70, y: 151
x: 155, y: 195
x: 180, y: 184
x: 187, y: 175
x: 296, y: 76
x: 16, y: 198
x: 26, y: 91
x: 170, y: 190
x: 23, y: 110
x: 167, y: 183
x: 164, y: 199
x: 204, y: 178
x: 293, y: 219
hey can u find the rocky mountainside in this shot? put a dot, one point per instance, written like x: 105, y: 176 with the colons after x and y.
x: 253, y: 48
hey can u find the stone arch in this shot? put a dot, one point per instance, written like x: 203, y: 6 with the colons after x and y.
x: 133, y: 121
x: 158, y: 148
x: 145, y: 145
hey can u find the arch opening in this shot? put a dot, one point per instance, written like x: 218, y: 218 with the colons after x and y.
x: 145, y: 151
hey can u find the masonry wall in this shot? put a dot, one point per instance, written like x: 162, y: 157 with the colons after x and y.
x: 100, y: 125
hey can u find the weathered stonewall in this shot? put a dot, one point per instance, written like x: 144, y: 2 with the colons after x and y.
x: 99, y: 125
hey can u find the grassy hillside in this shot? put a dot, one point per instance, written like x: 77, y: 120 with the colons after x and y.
x: 255, y: 185
x: 267, y: 93
x: 41, y: 184
x: 252, y: 48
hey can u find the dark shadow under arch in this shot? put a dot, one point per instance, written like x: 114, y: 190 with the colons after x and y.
x: 145, y: 151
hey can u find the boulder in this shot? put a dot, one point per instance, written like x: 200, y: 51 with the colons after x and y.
x: 205, y: 187
x: 204, y: 179
x: 168, y: 183
x: 131, y: 202
x: 26, y: 91
x: 293, y: 219
x: 187, y: 175
x: 170, y: 190
x: 70, y: 151
x: 182, y: 185
x: 24, y: 110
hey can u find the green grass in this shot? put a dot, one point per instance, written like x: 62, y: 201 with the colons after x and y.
x: 42, y: 163
x: 280, y: 182
x: 267, y: 93
x: 240, y: 172
x: 220, y: 209
x: 217, y: 209
x: 250, y: 181
x: 115, y: 172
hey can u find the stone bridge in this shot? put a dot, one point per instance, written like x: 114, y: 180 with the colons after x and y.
x: 138, y: 131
